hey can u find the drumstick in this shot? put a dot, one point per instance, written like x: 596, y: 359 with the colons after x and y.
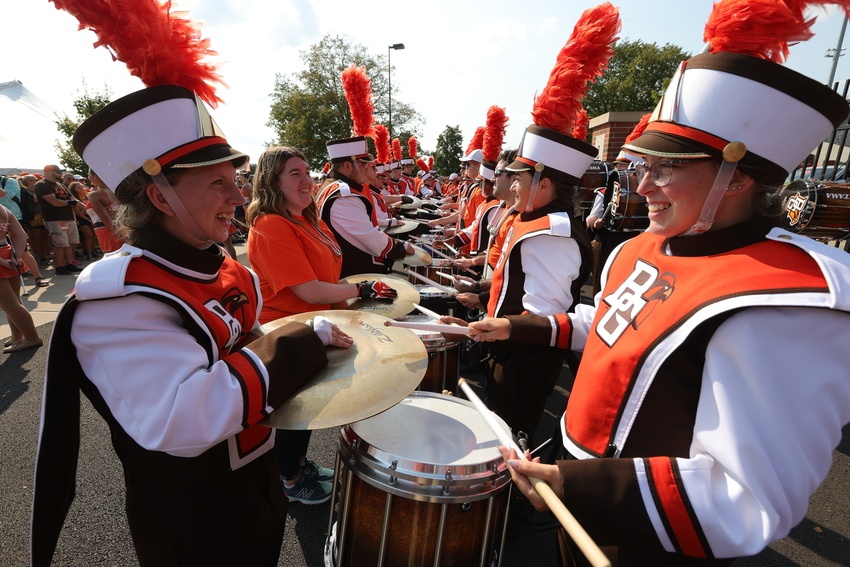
x: 447, y: 276
x: 452, y: 250
x: 436, y: 327
x: 447, y: 257
x: 556, y: 506
x: 432, y: 314
x: 429, y: 281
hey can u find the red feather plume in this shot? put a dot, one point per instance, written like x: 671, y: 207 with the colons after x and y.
x: 420, y: 163
x: 358, y: 92
x: 396, y: 149
x: 382, y: 144
x: 411, y: 147
x: 580, y: 128
x: 327, y: 167
x: 494, y: 135
x: 430, y: 162
x: 639, y: 128
x: 477, y: 140
x: 760, y: 28
x: 583, y: 58
x: 157, y: 45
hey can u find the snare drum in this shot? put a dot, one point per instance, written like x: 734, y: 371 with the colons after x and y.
x: 820, y: 209
x: 627, y: 211
x: 437, y: 265
x: 443, y: 358
x: 420, y: 484
x: 436, y: 300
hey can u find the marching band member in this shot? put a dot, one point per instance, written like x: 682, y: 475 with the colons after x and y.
x: 693, y: 438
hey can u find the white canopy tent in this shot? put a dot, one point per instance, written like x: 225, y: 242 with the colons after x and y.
x: 21, y: 110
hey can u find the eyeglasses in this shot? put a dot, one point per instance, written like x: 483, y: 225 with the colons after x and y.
x: 661, y: 173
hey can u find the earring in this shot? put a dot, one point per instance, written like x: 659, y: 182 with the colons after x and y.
x: 735, y: 188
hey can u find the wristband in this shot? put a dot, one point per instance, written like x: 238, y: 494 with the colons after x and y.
x: 477, y: 287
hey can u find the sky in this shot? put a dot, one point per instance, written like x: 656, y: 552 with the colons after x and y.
x: 460, y: 58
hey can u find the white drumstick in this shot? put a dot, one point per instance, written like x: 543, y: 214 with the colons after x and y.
x: 446, y: 276
x: 432, y: 314
x: 436, y: 327
x: 429, y: 281
x: 452, y: 250
x: 556, y: 506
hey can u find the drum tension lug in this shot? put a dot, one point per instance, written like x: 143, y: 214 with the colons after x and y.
x: 393, y: 467
x: 448, y: 479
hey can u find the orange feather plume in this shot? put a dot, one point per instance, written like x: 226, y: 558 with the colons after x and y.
x: 396, y: 149
x: 494, y: 134
x: 430, y: 162
x: 382, y: 144
x: 583, y: 58
x: 639, y: 128
x: 358, y: 92
x: 158, y: 46
x: 411, y: 147
x: 327, y: 167
x: 760, y: 28
x: 420, y: 163
x: 477, y: 140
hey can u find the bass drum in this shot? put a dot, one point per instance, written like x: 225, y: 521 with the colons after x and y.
x: 820, y: 210
x: 595, y: 176
x: 421, y: 484
x: 626, y: 212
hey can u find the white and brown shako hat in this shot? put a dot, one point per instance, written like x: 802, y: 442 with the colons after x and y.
x: 553, y: 145
x: 717, y: 98
x: 346, y: 149
x: 553, y: 154
x: 168, y: 124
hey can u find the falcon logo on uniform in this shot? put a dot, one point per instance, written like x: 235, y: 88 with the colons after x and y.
x: 644, y: 288
x: 226, y: 309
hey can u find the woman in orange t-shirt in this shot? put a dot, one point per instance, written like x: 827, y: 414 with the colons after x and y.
x: 299, y: 262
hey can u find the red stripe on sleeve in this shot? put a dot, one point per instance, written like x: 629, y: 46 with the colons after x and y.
x: 671, y: 500
x: 243, y: 368
x: 563, y: 331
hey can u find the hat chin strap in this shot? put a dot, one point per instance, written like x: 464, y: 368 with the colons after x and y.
x: 532, y: 195
x: 179, y: 210
x: 732, y: 154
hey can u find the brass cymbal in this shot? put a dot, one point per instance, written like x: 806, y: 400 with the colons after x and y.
x: 401, y: 305
x: 417, y: 202
x: 419, y: 257
x: 382, y: 367
x: 407, y: 226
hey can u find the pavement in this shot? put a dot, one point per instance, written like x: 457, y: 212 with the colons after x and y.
x: 96, y: 533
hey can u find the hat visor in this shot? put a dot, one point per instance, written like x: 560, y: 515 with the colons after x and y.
x: 210, y: 155
x: 668, y: 145
x: 519, y: 166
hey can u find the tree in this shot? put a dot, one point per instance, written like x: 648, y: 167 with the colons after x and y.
x: 637, y: 76
x: 449, y: 150
x: 309, y: 107
x: 86, y: 105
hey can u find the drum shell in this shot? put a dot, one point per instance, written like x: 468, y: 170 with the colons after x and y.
x: 438, y: 265
x: 408, y: 494
x: 595, y: 176
x: 627, y: 210
x: 820, y: 210
x: 443, y: 369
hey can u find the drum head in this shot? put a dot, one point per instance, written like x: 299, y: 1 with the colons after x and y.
x: 440, y: 444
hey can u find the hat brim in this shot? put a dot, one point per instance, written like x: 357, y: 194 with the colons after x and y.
x: 211, y: 155
x: 661, y: 144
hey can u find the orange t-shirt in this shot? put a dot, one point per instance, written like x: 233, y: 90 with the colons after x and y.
x: 284, y: 254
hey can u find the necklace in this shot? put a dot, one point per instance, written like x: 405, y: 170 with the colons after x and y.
x: 321, y: 237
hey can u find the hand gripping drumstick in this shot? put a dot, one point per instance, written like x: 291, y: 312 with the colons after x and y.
x: 556, y: 506
x: 429, y: 281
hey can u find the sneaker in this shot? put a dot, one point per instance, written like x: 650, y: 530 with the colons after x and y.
x: 63, y: 271
x: 311, y: 469
x: 308, y: 491
x: 71, y: 268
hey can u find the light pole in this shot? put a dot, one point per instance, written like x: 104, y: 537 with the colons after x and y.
x: 390, y: 81
x: 836, y: 53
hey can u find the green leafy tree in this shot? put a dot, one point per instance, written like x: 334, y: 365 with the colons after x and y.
x: 86, y: 105
x: 637, y: 76
x: 449, y: 150
x: 309, y: 107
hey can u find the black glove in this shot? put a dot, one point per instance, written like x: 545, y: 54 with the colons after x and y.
x: 406, y: 199
x: 376, y: 290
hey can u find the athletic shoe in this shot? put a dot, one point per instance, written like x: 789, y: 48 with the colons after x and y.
x: 308, y: 491
x: 311, y: 469
x: 63, y: 271
x: 72, y: 268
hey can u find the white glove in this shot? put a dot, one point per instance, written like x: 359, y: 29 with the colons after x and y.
x: 323, y: 327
